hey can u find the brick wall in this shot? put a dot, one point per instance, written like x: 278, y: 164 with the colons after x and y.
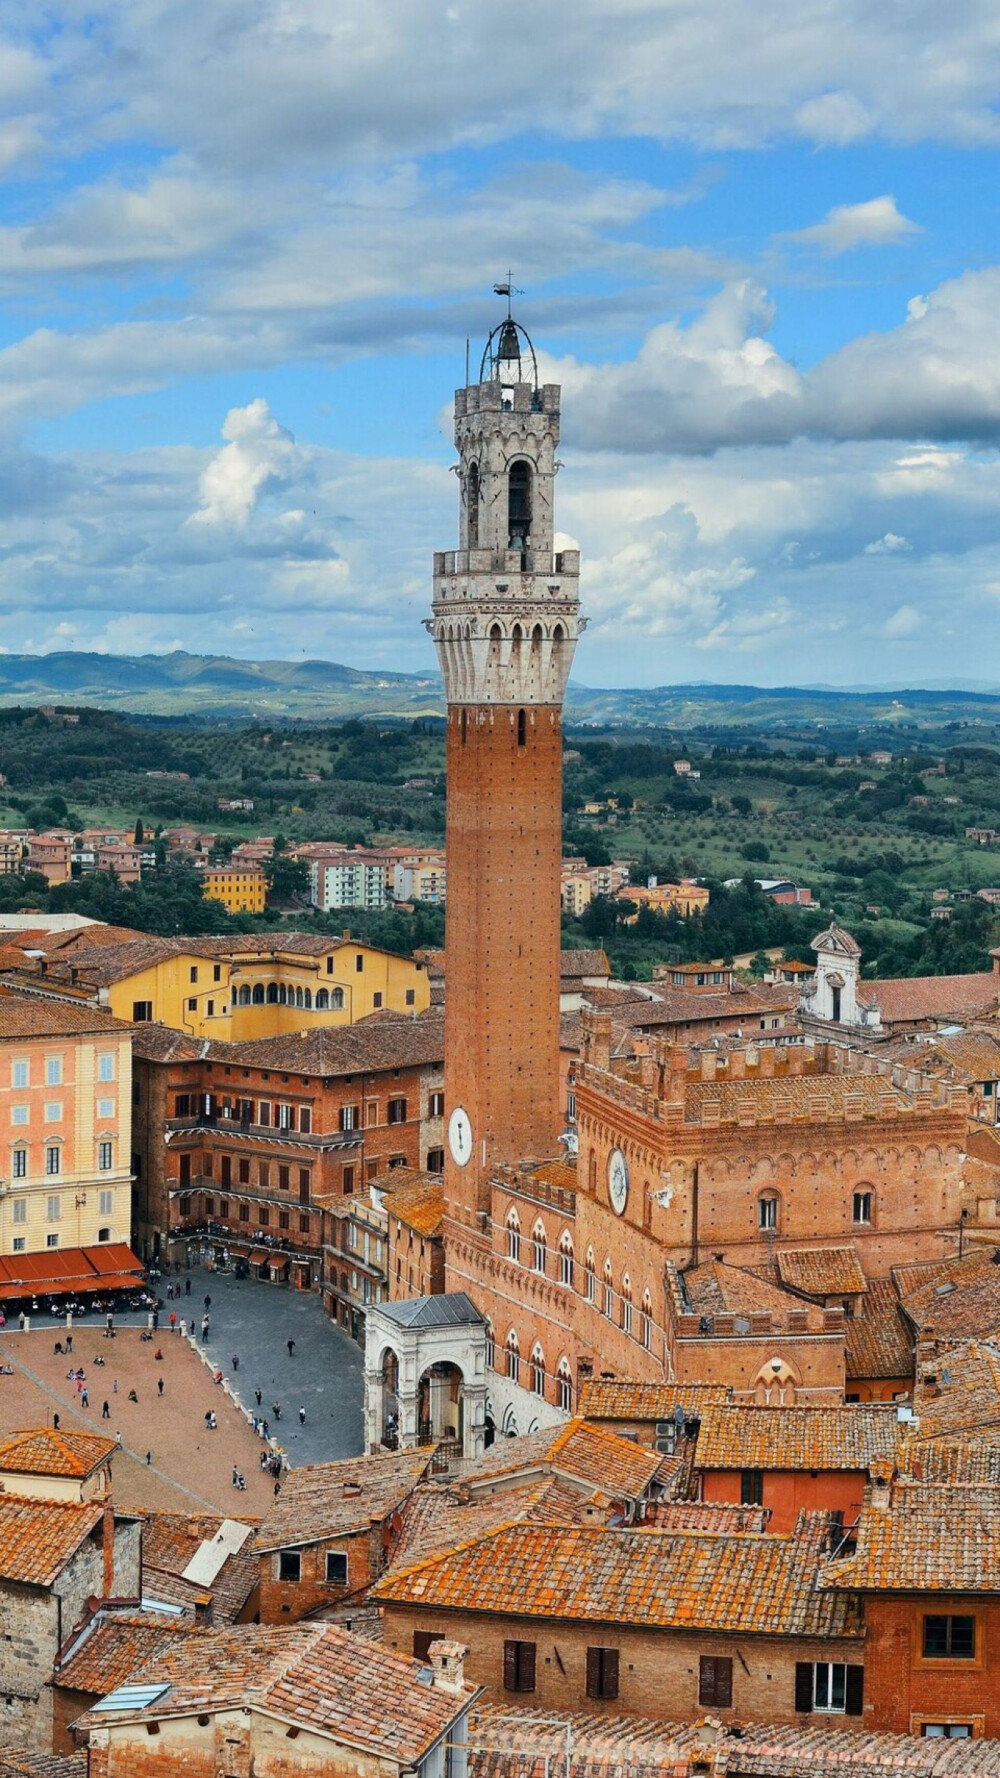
x: 503, y: 939
x: 789, y: 1492
x: 658, y: 1670
x: 905, y: 1689
x: 284, y: 1602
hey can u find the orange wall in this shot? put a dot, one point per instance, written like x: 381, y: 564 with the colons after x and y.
x: 790, y: 1492
x: 902, y: 1689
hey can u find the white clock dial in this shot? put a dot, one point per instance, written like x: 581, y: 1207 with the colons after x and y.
x: 617, y: 1181
x: 460, y: 1136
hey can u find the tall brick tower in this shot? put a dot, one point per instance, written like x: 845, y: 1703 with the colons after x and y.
x: 505, y: 624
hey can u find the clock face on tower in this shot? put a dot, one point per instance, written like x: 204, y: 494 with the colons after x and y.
x: 617, y: 1181
x: 460, y: 1136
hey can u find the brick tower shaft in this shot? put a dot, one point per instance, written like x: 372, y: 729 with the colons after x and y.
x: 505, y: 624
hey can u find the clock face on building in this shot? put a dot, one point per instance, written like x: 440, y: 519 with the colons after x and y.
x: 617, y: 1181
x: 460, y: 1136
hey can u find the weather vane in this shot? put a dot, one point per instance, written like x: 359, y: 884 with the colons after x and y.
x: 508, y: 290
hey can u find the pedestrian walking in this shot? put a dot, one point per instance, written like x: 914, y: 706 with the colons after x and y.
x: 149, y: 1458
x: 204, y: 1329
x: 265, y: 1430
x: 291, y: 1347
x: 257, y: 1396
x: 184, y: 1328
x: 302, y: 1416
x: 85, y: 1397
x: 277, y: 1489
x: 236, y: 1361
x: 173, y: 1322
x: 276, y: 1409
x: 114, y: 1387
x: 187, y: 1287
x: 118, y: 1440
x: 208, y: 1302
x: 55, y: 1422
x: 69, y: 1342
x: 106, y: 1411
x: 235, y: 1476
x: 159, y: 1385
x: 156, y: 1319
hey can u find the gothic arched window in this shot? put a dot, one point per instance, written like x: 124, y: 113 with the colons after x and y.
x: 519, y: 504
x: 513, y: 1236
x: 472, y: 506
x: 537, y: 1370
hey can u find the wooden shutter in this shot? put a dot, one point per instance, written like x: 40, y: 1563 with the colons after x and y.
x: 510, y: 1666
x: 803, y: 1686
x: 593, y: 1672
x: 855, y: 1704
x: 526, y: 1667
x: 715, y: 1681
x: 610, y: 1674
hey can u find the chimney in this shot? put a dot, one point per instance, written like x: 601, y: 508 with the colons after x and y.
x: 595, y: 1028
x: 108, y: 1548
x: 447, y: 1660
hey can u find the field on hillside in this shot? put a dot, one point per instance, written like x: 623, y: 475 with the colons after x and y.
x: 879, y: 840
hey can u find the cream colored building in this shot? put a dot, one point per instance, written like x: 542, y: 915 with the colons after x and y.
x: 65, y: 1126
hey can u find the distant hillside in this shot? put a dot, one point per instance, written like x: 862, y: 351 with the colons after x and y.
x: 226, y: 689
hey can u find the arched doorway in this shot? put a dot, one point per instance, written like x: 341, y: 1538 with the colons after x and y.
x: 440, y: 1406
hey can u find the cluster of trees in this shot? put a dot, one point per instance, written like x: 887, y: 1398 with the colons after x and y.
x: 737, y: 920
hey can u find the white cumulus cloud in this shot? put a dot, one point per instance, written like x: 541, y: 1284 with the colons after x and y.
x: 260, y: 454
x: 876, y: 223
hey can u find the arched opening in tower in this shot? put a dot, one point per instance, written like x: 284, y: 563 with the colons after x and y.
x: 519, y: 507
x: 472, y: 506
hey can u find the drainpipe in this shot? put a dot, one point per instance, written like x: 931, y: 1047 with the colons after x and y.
x: 694, y: 1214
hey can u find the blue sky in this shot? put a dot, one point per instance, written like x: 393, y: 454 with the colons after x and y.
x: 242, y: 246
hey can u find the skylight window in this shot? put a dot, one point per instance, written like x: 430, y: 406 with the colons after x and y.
x: 131, y: 1697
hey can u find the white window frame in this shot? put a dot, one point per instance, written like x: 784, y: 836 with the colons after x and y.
x: 828, y: 1685
x: 106, y: 1203
x: 53, y: 1208
x: 53, y: 1161
x: 106, y: 1065
x: 53, y: 1071
x: 20, y: 1073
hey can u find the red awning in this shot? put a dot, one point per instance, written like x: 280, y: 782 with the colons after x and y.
x: 260, y: 1257
x: 73, y: 1271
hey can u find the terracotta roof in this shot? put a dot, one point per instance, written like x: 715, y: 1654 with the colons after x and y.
x: 343, y: 1687
x: 21, y: 1763
x: 439, y: 1517
x: 324, y: 1500
x: 821, y: 1271
x: 581, y: 1450
x: 45, y: 1015
x: 38, y: 1537
x: 932, y: 1538
x: 521, y: 1744
x: 418, y: 1200
x: 689, y: 1006
x: 964, y: 1397
x: 621, y: 1399
x: 952, y: 1460
x: 114, y: 1645
x: 41, y: 1451
x: 169, y: 1543
x: 800, y: 1438
x: 959, y: 1301
x: 389, y: 1040
x: 575, y: 965
x: 662, y: 1580
x: 878, y: 1340
x: 970, y: 1055
x: 161, y: 1043
x: 718, y: 1289
x: 814, y: 1097
x: 719, y: 1517
x: 908, y: 998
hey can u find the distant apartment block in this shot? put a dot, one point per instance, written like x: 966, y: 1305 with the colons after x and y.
x: 422, y: 879
x: 685, y: 897
x: 347, y: 880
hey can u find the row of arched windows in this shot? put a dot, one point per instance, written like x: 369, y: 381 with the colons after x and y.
x: 618, y: 1306
x: 277, y: 994
x: 531, y: 1374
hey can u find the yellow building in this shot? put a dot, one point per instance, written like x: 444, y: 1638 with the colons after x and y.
x: 241, y: 889
x: 247, y: 985
x: 682, y: 898
x: 66, y: 1117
